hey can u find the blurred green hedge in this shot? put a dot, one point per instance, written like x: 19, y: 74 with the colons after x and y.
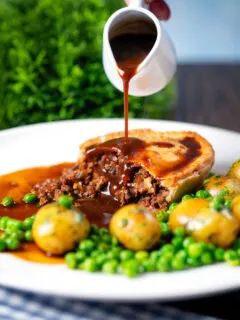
x: 51, y: 63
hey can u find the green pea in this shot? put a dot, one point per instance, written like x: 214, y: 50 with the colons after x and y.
x: 172, y: 206
x: 86, y: 245
x: 28, y: 236
x: 115, y: 242
x: 2, y: 245
x: 94, y: 253
x: 81, y: 255
x: 70, y: 259
x: 165, y: 229
x: 210, y: 247
x: 4, y: 222
x: 103, y: 231
x: 177, y: 243
x: 219, y: 254
x: 167, y: 255
x: 228, y: 203
x: 187, y: 197
x: 33, y: 217
x: 230, y: 255
x: 167, y: 248
x: 164, y: 264
x: 27, y: 223
x: 15, y: 225
x: 90, y: 265
x: 95, y: 238
x: 195, y: 250
x: 7, y: 202
x: 193, y: 262
x: 103, y: 246
x: 101, y: 259
x: 116, y: 250
x: 223, y: 193
x: 162, y: 216
x: 30, y: 198
x: 217, y: 203
x: 131, y: 268
x: 106, y: 238
x: 65, y: 201
x: 154, y: 255
x: 8, y: 231
x: 206, y: 258
x: 179, y: 232
x: 178, y: 264
x: 12, y: 243
x: 202, y: 194
x: 126, y: 255
x: 181, y: 254
x: 141, y: 255
x: 187, y: 241
x: 149, y: 265
x: 110, y: 266
x: 112, y: 254
x: 19, y: 235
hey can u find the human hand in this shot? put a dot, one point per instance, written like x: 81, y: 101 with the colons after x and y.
x: 158, y: 7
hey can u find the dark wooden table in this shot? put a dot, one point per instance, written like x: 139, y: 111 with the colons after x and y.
x: 210, y: 94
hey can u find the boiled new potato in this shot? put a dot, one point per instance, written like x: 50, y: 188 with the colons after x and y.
x: 205, y: 224
x: 235, y: 207
x: 234, y: 170
x: 136, y: 227
x: 58, y: 229
x: 219, y: 184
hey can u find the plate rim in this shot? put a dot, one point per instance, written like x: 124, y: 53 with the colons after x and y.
x: 60, y: 122
x: 109, y: 297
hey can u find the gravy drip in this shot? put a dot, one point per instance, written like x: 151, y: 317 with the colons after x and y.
x: 129, y: 51
x: 121, y: 177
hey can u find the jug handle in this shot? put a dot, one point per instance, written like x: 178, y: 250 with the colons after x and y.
x: 137, y: 4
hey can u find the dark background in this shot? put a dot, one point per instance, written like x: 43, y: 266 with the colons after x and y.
x: 209, y: 94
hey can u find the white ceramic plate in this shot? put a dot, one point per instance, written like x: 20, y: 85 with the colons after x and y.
x: 57, y: 142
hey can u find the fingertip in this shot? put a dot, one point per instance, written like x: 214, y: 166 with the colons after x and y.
x: 160, y: 9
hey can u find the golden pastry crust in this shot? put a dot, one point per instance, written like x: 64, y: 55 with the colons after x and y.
x: 179, y: 168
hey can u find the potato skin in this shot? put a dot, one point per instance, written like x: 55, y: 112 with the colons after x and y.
x: 217, y: 184
x: 204, y: 224
x: 136, y: 227
x: 185, y: 212
x: 235, y: 207
x: 57, y: 229
x: 234, y: 170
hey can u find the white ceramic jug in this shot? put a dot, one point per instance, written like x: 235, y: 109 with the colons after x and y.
x: 158, y: 68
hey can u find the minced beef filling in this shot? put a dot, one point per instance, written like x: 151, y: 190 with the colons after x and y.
x: 108, y: 174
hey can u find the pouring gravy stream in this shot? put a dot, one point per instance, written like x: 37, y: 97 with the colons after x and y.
x: 129, y: 51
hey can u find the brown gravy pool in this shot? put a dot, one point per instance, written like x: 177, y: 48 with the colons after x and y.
x: 16, y: 185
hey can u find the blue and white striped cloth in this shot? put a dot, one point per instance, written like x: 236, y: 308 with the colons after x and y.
x: 18, y: 305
